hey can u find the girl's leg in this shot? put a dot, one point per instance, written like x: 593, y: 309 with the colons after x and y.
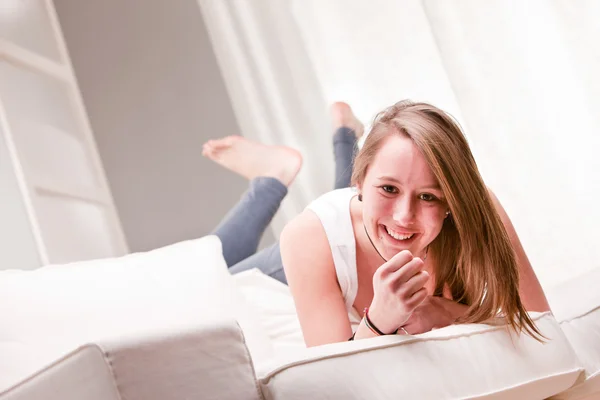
x: 348, y: 130
x: 270, y: 169
x: 344, y: 148
x: 240, y: 252
x: 268, y: 261
x: 242, y: 228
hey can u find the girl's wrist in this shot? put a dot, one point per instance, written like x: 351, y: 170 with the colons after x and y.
x: 376, y: 325
x: 362, y: 332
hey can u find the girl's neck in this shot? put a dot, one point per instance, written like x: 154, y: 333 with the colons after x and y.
x: 365, y: 252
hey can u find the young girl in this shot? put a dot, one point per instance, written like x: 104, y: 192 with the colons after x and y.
x: 418, y: 243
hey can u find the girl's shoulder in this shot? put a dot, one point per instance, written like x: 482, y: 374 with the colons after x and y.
x: 305, y: 236
x: 337, y: 195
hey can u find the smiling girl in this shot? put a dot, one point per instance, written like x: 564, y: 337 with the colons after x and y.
x: 411, y: 239
x: 420, y: 244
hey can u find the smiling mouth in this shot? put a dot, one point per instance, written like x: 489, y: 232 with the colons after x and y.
x: 398, y: 235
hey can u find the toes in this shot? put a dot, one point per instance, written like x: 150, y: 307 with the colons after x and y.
x: 221, y: 143
x: 207, y: 152
x: 211, y: 149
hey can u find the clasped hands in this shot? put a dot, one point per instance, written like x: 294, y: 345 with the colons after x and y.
x: 401, y: 298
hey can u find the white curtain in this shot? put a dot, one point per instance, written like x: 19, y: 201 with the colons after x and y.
x: 526, y: 78
x: 521, y: 77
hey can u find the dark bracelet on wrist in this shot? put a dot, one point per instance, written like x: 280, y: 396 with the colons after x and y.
x: 372, y: 326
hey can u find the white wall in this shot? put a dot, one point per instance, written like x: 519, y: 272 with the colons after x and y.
x: 154, y: 94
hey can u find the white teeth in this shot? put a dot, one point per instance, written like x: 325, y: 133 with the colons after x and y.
x: 398, y: 236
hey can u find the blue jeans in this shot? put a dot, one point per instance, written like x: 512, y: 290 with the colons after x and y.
x: 242, y: 228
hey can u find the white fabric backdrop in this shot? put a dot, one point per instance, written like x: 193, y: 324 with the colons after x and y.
x: 521, y: 77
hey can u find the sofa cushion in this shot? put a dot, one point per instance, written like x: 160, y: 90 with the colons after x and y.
x: 576, y: 306
x: 59, y: 308
x: 462, y: 361
x: 82, y: 374
x: 209, y: 361
x: 276, y: 310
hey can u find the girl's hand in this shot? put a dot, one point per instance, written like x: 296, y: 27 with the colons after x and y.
x: 399, y: 288
x: 434, y: 313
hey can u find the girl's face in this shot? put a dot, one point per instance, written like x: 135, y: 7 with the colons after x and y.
x: 403, y: 206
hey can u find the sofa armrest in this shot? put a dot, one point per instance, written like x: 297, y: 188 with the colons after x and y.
x: 210, y: 361
x: 82, y: 374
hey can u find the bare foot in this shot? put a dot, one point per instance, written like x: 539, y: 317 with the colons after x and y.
x: 342, y: 116
x: 252, y: 159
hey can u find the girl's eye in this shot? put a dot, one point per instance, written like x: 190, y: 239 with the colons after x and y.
x: 427, y: 197
x: 389, y: 189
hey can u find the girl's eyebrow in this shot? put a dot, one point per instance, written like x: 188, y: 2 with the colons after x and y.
x: 433, y: 186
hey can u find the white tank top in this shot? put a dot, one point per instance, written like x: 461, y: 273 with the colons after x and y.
x: 333, y: 209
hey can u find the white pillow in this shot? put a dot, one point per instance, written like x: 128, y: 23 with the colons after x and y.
x: 576, y: 306
x: 275, y: 304
x: 458, y: 362
x: 58, y: 308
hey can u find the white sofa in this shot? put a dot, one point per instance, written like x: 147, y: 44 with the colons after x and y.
x: 173, y: 324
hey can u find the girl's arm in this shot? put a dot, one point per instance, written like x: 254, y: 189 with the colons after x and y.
x: 312, y: 279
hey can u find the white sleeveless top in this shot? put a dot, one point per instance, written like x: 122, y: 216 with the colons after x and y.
x: 333, y: 209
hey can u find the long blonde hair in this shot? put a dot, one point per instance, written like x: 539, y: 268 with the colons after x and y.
x: 474, y: 254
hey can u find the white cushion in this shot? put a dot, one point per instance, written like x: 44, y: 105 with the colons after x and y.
x: 58, y: 308
x: 208, y: 361
x: 462, y: 361
x: 83, y: 374
x: 576, y: 305
x: 276, y: 310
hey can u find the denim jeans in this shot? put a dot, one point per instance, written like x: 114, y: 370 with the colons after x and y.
x: 242, y: 228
